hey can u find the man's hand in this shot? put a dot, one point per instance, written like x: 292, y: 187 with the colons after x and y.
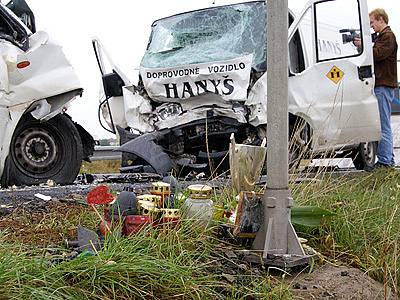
x: 357, y: 42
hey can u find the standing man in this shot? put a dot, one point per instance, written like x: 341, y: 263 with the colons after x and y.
x: 385, y: 65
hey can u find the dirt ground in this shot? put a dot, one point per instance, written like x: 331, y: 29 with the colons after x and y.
x: 29, y: 220
x: 338, y: 282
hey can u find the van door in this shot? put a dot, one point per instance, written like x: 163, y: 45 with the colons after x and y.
x: 113, y: 79
x: 334, y: 90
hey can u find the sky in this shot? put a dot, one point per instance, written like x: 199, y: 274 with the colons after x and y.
x: 123, y: 28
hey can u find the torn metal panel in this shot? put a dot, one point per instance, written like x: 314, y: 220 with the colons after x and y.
x: 4, y: 86
x: 199, y: 108
x: 145, y: 148
x: 137, y: 110
x: 4, y: 117
x: 130, y: 110
x: 117, y: 111
x: 46, y: 109
x: 257, y: 102
x: 9, y: 125
x: 43, y: 77
x: 41, y: 109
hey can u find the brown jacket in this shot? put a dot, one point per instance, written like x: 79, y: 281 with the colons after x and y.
x: 385, y: 59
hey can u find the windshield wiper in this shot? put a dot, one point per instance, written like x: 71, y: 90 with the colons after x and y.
x: 170, y: 50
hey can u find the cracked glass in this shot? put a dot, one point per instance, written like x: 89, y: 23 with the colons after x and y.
x: 209, y: 35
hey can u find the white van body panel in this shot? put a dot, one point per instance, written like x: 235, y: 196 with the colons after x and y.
x: 48, y: 74
x: 341, y: 113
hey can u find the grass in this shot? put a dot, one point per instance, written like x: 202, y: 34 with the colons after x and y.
x: 366, y: 229
x: 100, y: 167
x: 40, y: 229
x: 156, y: 264
x: 184, y: 264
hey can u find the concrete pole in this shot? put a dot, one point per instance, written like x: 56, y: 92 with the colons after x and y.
x: 277, y: 235
x: 277, y: 95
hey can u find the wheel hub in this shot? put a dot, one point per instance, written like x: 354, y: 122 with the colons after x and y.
x: 368, y: 148
x: 35, y: 150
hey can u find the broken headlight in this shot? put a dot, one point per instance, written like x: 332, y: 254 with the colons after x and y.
x: 168, y: 110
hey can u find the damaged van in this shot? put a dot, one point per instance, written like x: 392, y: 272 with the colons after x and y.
x: 204, y: 77
x: 39, y: 141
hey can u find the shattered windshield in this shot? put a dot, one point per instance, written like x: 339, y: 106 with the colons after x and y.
x: 208, y: 35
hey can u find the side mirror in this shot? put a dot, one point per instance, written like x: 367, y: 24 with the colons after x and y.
x: 112, y: 84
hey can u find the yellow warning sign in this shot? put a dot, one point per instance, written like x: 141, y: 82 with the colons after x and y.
x: 335, y: 74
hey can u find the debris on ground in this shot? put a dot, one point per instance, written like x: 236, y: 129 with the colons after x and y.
x: 117, y: 178
x: 129, y: 213
x: 43, y: 197
x: 48, y: 224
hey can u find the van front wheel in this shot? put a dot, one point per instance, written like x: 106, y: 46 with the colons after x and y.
x: 364, y: 155
x: 43, y: 150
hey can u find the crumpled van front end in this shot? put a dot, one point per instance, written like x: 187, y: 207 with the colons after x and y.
x: 38, y: 140
x: 203, y: 77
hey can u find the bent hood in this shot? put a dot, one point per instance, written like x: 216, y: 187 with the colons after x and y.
x: 49, y: 72
x: 229, y: 79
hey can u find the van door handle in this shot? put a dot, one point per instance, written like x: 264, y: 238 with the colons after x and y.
x: 364, y: 72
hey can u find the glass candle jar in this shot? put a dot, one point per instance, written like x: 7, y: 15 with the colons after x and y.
x: 199, y: 206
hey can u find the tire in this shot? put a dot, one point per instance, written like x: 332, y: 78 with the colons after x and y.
x: 299, y: 138
x: 364, y: 155
x: 43, y: 150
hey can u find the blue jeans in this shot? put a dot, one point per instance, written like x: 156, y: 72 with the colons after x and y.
x: 385, y: 96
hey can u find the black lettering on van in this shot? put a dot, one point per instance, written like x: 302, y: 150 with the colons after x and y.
x: 169, y: 87
x: 228, y: 84
x: 215, y: 83
x: 187, y: 88
x: 202, y: 84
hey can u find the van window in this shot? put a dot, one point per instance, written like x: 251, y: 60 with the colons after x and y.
x: 300, y: 45
x: 12, y: 30
x: 337, y: 24
x: 6, y: 30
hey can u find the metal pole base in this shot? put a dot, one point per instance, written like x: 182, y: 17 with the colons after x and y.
x: 277, y: 236
x: 283, y: 261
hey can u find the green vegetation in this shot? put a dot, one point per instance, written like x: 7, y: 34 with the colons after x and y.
x: 43, y: 228
x: 188, y: 264
x: 101, y: 167
x: 365, y: 231
x: 162, y: 264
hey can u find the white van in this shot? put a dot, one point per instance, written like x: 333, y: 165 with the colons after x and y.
x: 38, y: 140
x: 203, y: 77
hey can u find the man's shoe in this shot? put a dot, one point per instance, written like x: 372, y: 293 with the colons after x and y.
x: 382, y: 165
x: 377, y: 166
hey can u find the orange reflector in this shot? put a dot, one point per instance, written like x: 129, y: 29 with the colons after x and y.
x: 23, y: 64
